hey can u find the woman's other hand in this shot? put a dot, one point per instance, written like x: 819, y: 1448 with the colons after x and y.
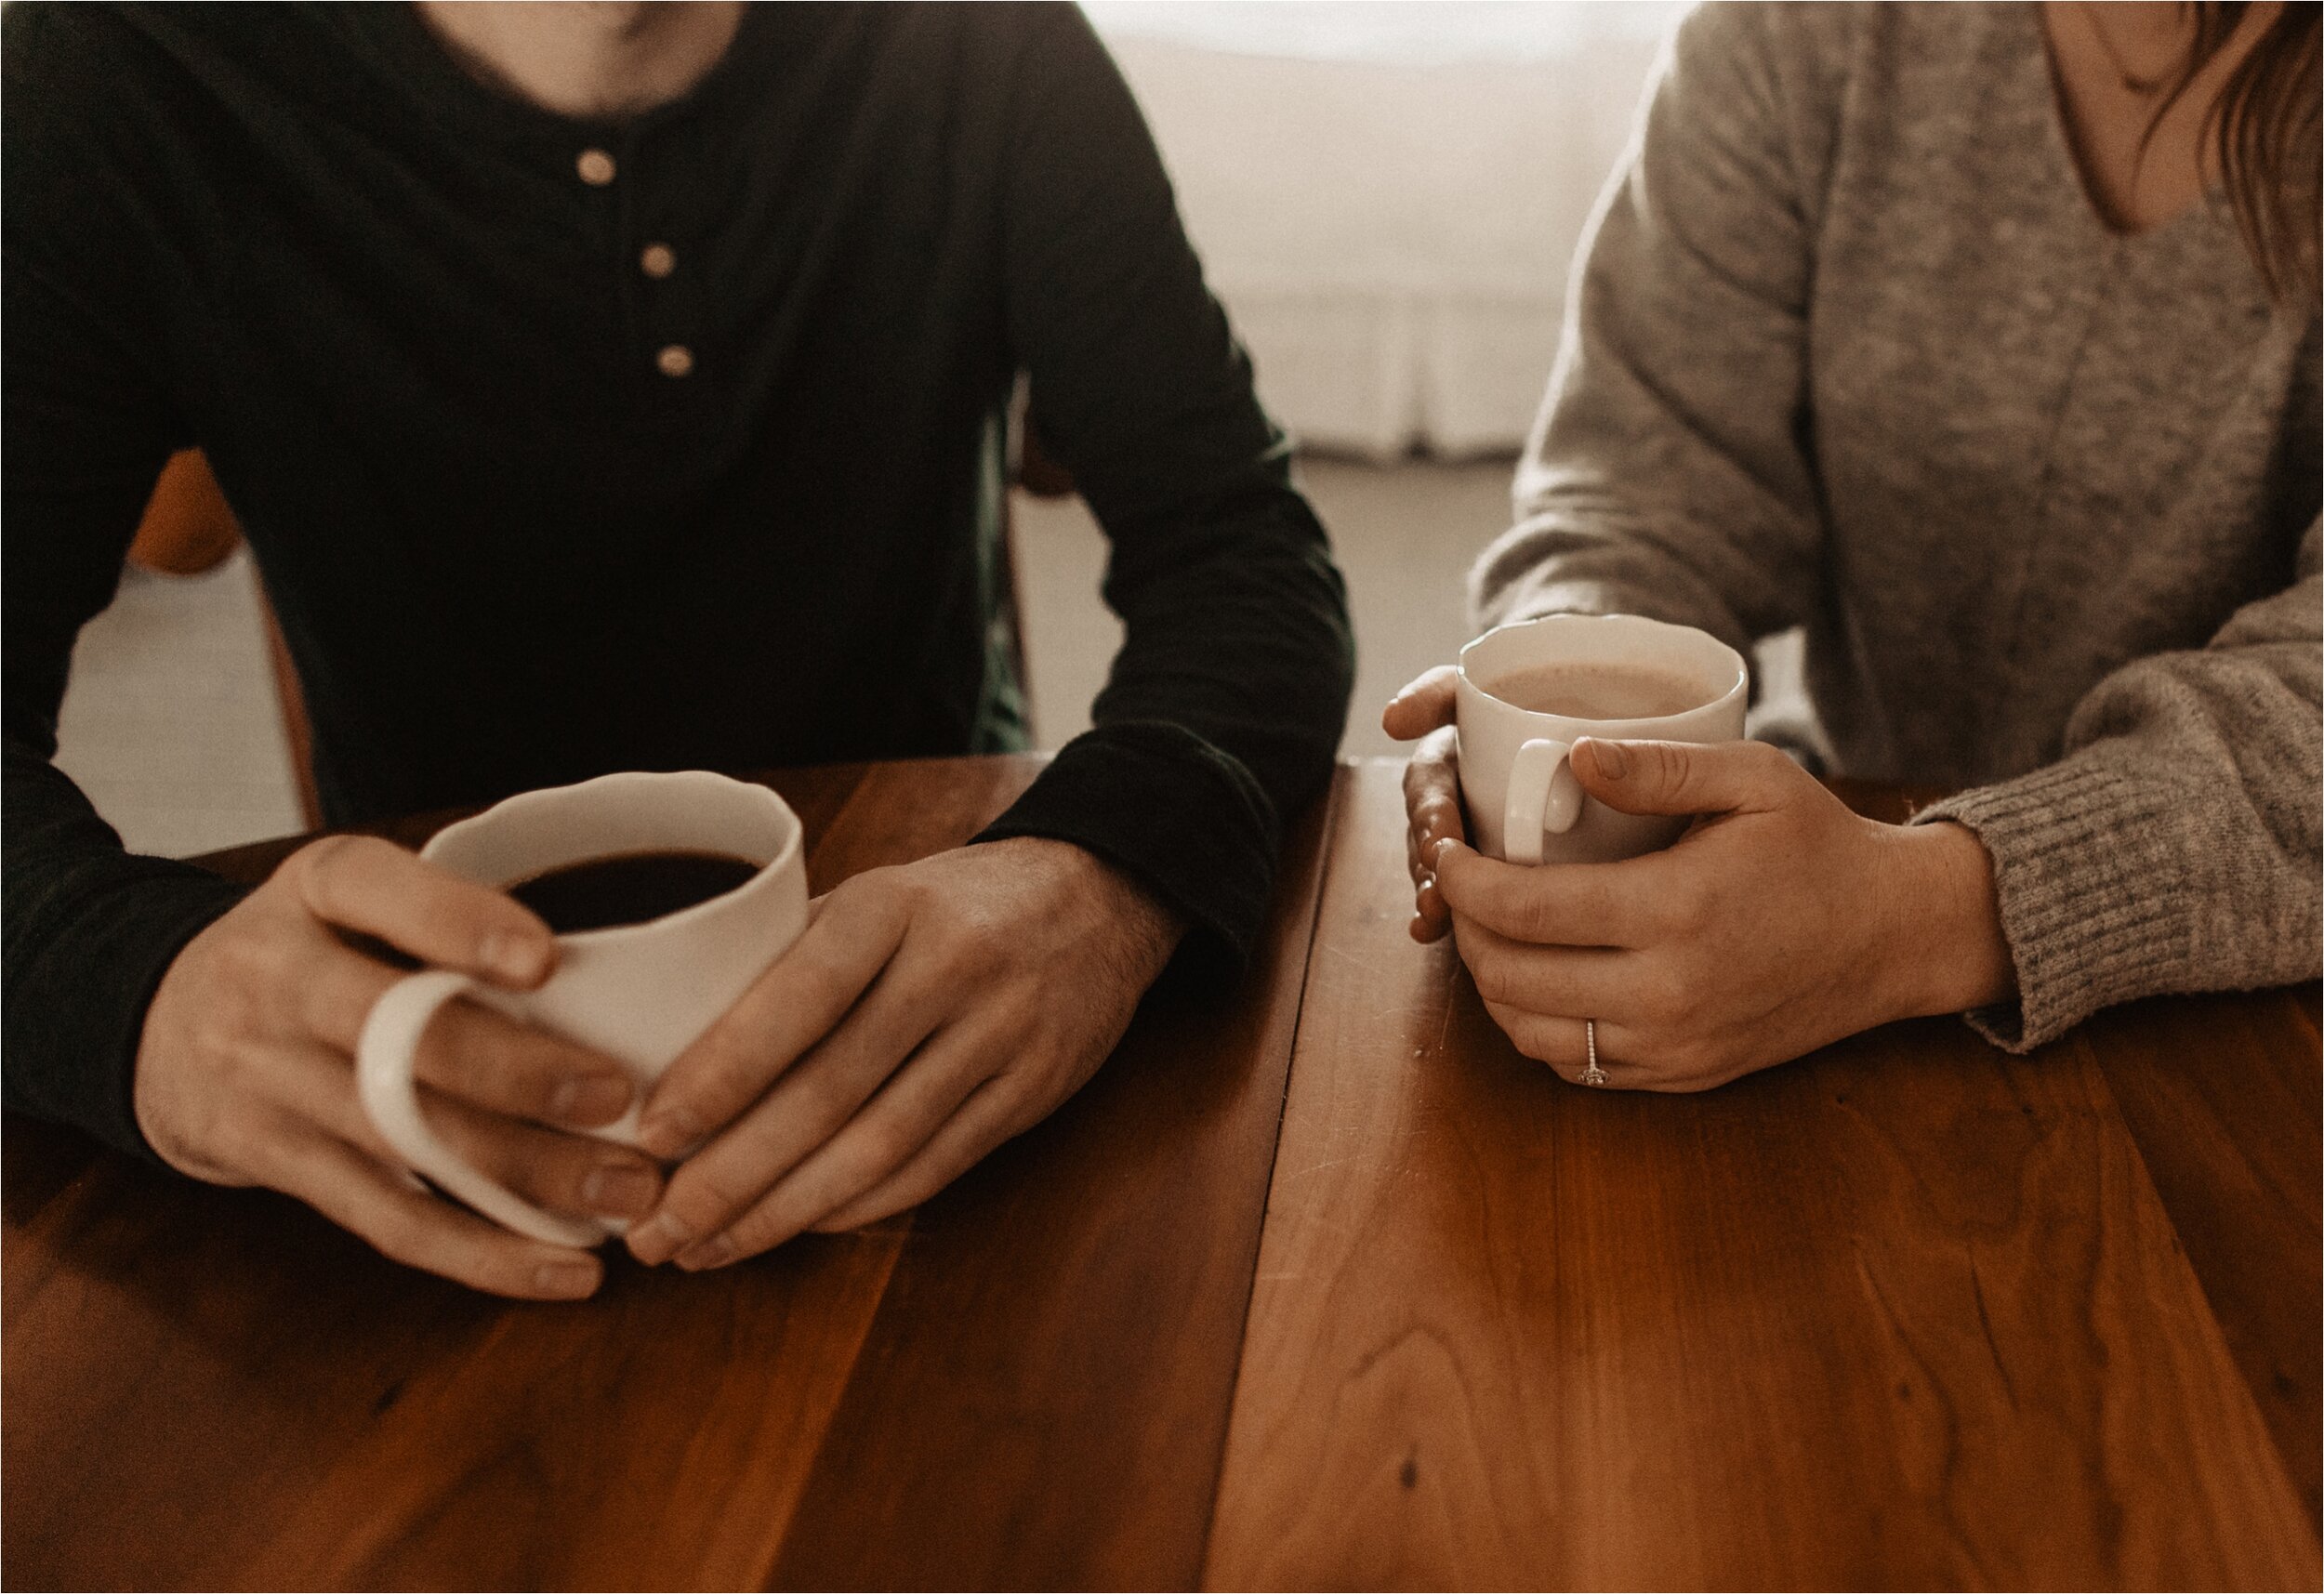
x: 1423, y: 712
x: 1779, y: 923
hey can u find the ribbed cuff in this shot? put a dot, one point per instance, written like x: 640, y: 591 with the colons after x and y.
x: 2077, y: 851
x: 1175, y: 813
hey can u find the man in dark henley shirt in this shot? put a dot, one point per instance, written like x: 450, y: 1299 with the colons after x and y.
x: 660, y: 434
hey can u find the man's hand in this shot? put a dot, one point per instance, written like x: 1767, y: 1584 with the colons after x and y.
x: 1423, y: 711
x: 245, y: 1072
x: 1779, y: 923
x: 927, y: 1013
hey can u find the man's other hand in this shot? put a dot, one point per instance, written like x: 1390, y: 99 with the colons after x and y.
x: 246, y: 1073
x: 927, y: 1013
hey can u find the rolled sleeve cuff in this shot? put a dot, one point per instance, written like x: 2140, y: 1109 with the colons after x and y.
x: 1185, y: 819
x: 76, y: 1002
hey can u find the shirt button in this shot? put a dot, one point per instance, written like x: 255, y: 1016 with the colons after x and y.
x: 675, y: 359
x: 657, y: 260
x: 596, y: 167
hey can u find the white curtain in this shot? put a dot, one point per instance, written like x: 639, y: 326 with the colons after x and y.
x: 1387, y: 195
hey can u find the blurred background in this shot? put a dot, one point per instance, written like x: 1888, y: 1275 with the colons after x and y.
x: 1386, y: 196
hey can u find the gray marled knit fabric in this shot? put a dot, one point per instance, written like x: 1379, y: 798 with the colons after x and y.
x: 1850, y: 348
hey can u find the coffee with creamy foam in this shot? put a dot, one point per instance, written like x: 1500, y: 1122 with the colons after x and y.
x: 1598, y: 690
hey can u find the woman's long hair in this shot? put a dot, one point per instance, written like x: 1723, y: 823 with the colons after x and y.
x: 2263, y: 127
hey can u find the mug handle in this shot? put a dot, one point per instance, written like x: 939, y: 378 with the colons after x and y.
x: 1544, y: 797
x: 384, y: 1055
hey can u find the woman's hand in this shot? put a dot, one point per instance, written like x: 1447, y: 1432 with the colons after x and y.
x: 245, y: 1073
x: 927, y: 1013
x: 1779, y: 923
x: 1423, y: 711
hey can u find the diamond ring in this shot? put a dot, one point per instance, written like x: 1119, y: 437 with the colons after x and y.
x: 1594, y: 1074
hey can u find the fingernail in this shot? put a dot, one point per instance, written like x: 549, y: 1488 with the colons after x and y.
x: 1436, y: 854
x: 715, y: 1252
x: 620, y: 1190
x: 668, y: 1132
x: 568, y: 1281
x: 1613, y: 762
x: 589, y: 1099
x: 659, y: 1240
x: 520, y: 957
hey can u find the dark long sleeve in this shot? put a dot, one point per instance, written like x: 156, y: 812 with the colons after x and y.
x: 89, y: 928
x: 1226, y: 702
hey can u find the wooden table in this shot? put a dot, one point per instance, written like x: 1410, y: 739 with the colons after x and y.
x: 1316, y: 1285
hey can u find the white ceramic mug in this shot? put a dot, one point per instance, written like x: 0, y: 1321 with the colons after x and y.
x: 638, y: 993
x: 1524, y: 804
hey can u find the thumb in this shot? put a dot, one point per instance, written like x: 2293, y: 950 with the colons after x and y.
x: 1424, y: 705
x: 1682, y: 777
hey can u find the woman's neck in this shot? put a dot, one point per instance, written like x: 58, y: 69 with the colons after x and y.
x: 2115, y: 65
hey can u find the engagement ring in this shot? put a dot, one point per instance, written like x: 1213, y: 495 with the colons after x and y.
x: 1592, y: 1074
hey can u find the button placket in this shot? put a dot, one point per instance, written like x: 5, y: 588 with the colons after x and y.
x: 666, y: 302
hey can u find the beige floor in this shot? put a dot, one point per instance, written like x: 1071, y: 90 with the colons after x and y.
x: 170, y: 721
x: 171, y: 724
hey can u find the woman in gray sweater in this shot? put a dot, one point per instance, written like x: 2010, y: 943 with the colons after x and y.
x: 1981, y: 342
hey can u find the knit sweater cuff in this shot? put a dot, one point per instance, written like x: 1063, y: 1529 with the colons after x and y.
x: 2074, y: 868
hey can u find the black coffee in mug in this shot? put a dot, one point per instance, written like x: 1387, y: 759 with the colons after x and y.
x: 628, y: 888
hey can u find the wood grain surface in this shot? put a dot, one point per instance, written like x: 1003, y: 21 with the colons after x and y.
x: 1042, y: 1401
x: 1908, y: 1312
x: 2217, y: 1091
x: 207, y: 1388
